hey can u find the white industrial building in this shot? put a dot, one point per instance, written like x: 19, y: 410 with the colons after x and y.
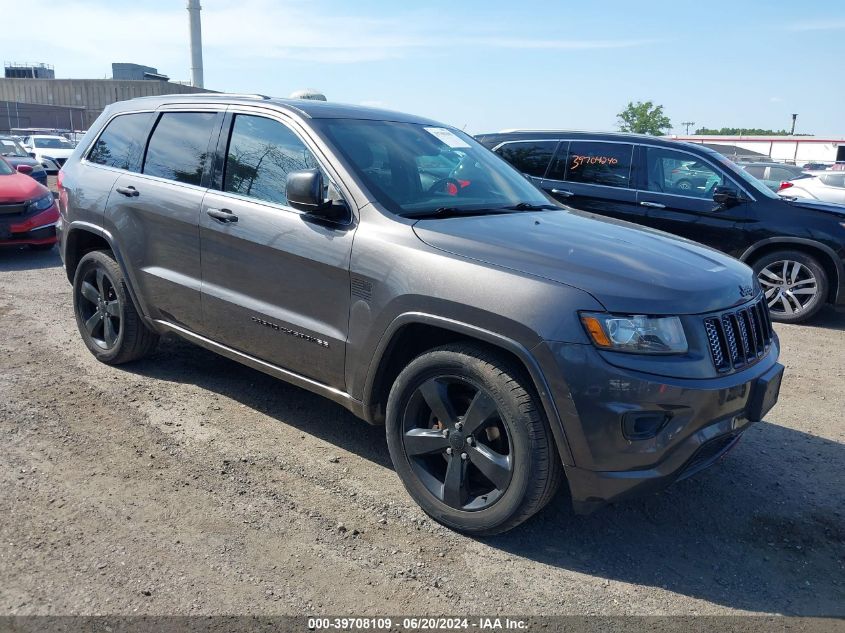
x: 796, y: 150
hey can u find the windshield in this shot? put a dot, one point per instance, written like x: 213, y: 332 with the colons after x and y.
x: 5, y: 168
x: 414, y: 169
x: 52, y: 143
x: 742, y: 175
x: 8, y: 147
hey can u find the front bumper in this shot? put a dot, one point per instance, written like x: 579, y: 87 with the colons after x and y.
x: 701, y: 419
x: 36, y: 230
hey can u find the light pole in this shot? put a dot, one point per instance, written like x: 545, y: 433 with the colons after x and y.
x: 687, y: 125
x: 794, y: 116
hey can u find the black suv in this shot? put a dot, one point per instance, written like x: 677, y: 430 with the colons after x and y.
x: 396, y: 266
x: 796, y: 247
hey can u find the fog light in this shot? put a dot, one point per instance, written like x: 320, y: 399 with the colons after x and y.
x: 642, y: 425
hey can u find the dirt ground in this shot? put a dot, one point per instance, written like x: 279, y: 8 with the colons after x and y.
x: 188, y: 484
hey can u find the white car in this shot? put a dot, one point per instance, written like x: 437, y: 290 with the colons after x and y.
x: 51, y: 151
x: 827, y: 186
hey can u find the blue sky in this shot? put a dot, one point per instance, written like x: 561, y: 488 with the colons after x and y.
x: 479, y: 65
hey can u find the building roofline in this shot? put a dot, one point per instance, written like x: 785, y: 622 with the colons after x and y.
x: 755, y: 139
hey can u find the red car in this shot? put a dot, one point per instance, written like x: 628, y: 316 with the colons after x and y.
x: 28, y: 211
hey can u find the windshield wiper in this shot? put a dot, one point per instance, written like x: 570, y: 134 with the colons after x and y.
x: 527, y: 206
x: 452, y: 212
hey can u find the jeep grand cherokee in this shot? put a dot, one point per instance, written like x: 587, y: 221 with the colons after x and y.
x: 396, y: 266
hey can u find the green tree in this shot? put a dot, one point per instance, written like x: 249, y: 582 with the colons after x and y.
x: 643, y: 117
x: 748, y: 131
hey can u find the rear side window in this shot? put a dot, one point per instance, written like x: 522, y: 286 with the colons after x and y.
x: 607, y: 164
x: 121, y: 144
x: 758, y: 171
x: 178, y: 148
x: 529, y: 157
x: 780, y: 173
x: 834, y: 180
x: 262, y: 152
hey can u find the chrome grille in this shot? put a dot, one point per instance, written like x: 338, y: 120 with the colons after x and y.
x: 739, y: 337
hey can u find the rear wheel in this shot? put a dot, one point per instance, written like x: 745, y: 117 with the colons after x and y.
x: 469, y: 441
x: 105, y: 315
x: 795, y: 285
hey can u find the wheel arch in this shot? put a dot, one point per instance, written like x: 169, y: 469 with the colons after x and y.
x: 827, y: 258
x: 82, y: 238
x: 411, y: 334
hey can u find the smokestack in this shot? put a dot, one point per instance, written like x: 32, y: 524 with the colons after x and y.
x: 194, y: 9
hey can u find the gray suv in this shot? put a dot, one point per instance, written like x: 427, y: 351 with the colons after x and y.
x: 398, y: 267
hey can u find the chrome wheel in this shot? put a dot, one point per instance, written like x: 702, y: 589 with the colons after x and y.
x: 790, y: 286
x: 100, y: 308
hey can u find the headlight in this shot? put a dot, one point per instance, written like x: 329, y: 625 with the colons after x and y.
x: 43, y: 203
x: 636, y: 333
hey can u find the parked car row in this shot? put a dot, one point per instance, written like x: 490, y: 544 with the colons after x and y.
x: 28, y: 210
x: 796, y: 245
x: 20, y: 159
x: 51, y: 151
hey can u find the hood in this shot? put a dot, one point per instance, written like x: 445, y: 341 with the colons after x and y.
x: 817, y: 205
x: 627, y: 268
x: 20, y: 188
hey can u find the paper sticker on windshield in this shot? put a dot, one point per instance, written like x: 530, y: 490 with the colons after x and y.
x: 450, y: 138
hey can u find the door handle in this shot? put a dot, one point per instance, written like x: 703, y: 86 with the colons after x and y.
x: 653, y: 205
x: 563, y: 192
x: 223, y: 215
x: 129, y: 192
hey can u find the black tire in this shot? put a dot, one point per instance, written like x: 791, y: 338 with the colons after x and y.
x: 781, y: 298
x: 118, y: 335
x: 476, y: 375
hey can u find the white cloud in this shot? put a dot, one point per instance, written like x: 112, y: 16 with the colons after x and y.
x: 252, y: 30
x: 817, y: 25
x: 775, y: 99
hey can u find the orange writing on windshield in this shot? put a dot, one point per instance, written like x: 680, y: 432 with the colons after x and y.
x: 577, y: 161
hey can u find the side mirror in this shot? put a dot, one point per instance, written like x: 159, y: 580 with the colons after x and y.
x: 726, y: 196
x: 24, y: 169
x: 304, y: 191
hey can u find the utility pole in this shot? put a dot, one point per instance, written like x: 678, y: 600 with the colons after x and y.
x: 794, y: 116
x: 687, y: 125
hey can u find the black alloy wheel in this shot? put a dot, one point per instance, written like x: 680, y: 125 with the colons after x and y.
x: 457, y: 444
x: 469, y: 439
x: 100, y: 308
x: 108, y: 322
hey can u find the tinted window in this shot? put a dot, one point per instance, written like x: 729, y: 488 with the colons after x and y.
x: 593, y: 163
x: 833, y: 180
x: 5, y: 168
x: 529, y: 157
x: 121, y: 144
x: 668, y: 171
x: 758, y: 171
x: 178, y: 149
x: 261, y: 154
x: 780, y: 173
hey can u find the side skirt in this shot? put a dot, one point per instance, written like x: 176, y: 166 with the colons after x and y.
x: 336, y: 395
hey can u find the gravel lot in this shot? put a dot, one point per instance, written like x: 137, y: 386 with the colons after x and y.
x: 188, y: 484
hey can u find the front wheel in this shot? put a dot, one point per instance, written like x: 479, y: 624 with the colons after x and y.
x: 469, y: 440
x: 795, y: 285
